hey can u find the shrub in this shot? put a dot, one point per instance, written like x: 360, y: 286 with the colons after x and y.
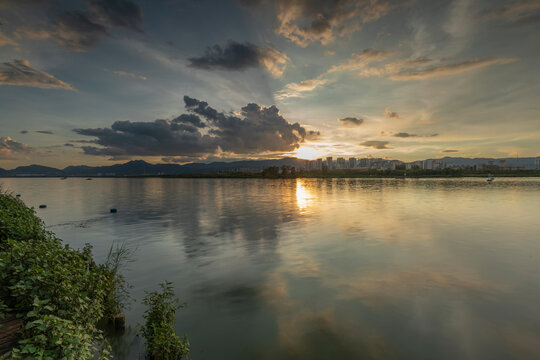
x: 58, y: 292
x: 162, y: 342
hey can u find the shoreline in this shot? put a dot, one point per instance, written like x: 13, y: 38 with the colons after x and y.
x: 536, y: 174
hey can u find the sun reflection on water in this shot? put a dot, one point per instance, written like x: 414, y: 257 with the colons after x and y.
x: 304, y: 197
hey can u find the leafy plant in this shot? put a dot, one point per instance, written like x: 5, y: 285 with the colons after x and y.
x: 161, y: 339
x: 58, y: 292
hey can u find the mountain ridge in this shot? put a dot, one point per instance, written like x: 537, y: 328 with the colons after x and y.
x: 141, y: 167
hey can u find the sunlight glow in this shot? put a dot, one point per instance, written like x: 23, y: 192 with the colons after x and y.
x: 307, y: 153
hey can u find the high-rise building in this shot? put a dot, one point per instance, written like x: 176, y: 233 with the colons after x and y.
x: 537, y: 163
x: 341, y: 164
x: 329, y: 163
x: 352, y: 163
x: 319, y: 164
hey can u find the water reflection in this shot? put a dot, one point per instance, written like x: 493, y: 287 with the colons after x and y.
x: 321, y: 268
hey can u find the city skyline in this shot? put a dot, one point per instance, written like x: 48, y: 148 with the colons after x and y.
x: 101, y: 82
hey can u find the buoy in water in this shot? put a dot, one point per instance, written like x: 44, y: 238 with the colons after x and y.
x: 42, y: 206
x: 113, y: 211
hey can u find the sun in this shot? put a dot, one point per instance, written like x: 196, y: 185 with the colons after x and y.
x: 307, y: 153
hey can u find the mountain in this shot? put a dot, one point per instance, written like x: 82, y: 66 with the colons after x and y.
x: 33, y: 170
x: 140, y: 167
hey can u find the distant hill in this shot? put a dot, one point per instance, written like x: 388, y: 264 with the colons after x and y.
x: 33, y: 170
x: 140, y: 167
x: 526, y: 162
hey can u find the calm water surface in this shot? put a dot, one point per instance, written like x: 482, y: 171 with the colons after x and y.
x: 320, y: 269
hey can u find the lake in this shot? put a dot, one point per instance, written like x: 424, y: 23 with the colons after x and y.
x: 319, y: 268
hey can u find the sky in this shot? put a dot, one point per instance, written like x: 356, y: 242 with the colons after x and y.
x: 99, y: 82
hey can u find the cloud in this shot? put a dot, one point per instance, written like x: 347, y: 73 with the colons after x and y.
x: 295, y: 90
x: 519, y: 13
x: 4, y: 40
x: 351, y: 122
x: 203, y: 132
x: 81, y: 30
x: 241, y: 56
x: 11, y: 148
x: 76, y: 31
x: 376, y: 144
x: 404, y: 135
x: 451, y: 69
x: 357, y: 61
x: 47, y: 132
x: 24, y: 131
x: 391, y: 114
x: 127, y: 74
x: 69, y: 145
x: 313, y: 135
x: 400, y: 69
x: 304, y: 21
x: 393, y: 67
x: 361, y: 60
x: 19, y: 72
x: 450, y: 151
x: 120, y: 13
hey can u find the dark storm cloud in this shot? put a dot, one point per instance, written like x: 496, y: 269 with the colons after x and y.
x: 258, y: 130
x: 375, y: 144
x: 190, y: 119
x: 450, y: 151
x: 351, y: 122
x: 241, y: 56
x: 69, y: 145
x: 46, y: 132
x: 24, y: 131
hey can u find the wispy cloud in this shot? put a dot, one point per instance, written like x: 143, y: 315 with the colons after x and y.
x: 295, y: 90
x: 4, y: 40
x: 376, y: 144
x: 520, y: 12
x: 19, y: 72
x: 127, y: 74
x: 451, y: 69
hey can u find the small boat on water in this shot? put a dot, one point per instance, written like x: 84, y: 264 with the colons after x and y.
x: 490, y: 179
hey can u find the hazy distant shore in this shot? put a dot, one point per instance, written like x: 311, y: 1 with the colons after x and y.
x: 445, y: 173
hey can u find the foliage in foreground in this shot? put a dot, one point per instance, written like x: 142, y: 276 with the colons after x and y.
x: 162, y: 342
x: 58, y: 292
